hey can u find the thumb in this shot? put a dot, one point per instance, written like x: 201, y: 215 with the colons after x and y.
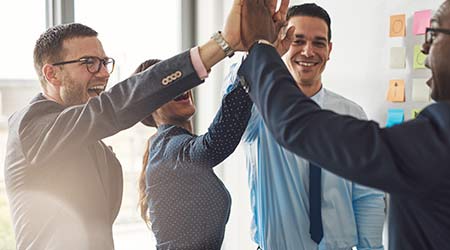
x: 289, y: 37
x: 286, y: 41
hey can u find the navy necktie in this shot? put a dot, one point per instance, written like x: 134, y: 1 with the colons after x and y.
x: 315, y: 212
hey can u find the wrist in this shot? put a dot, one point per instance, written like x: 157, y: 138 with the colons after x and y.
x: 223, y: 43
x: 210, y: 54
x: 230, y: 40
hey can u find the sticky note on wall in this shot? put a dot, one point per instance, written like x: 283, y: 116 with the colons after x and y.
x: 395, y: 116
x: 414, y: 113
x: 421, y: 21
x: 419, y: 57
x: 397, y: 26
x: 398, y: 55
x: 396, y: 91
x: 420, y: 90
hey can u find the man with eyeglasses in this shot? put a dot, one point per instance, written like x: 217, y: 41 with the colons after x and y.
x: 64, y: 184
x: 411, y: 161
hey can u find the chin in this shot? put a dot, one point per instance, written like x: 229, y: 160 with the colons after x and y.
x: 440, y: 98
x: 191, y: 114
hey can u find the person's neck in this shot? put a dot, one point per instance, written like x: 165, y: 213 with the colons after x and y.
x: 187, y: 124
x: 310, y: 90
x: 50, y: 97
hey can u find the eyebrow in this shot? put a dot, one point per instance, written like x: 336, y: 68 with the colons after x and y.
x: 90, y: 56
x: 320, y: 38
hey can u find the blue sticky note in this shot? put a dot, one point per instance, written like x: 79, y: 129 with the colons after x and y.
x: 395, y: 116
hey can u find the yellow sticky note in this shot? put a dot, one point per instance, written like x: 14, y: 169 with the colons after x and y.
x: 419, y: 57
x: 414, y: 113
x: 398, y: 55
x: 397, y: 27
x: 396, y: 92
x: 420, y: 90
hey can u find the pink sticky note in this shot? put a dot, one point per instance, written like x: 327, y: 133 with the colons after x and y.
x: 421, y: 21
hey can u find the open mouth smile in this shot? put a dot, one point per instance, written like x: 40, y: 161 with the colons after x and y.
x: 182, y: 97
x: 306, y: 64
x: 96, y: 89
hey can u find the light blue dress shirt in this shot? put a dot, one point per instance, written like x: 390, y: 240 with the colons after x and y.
x: 352, y: 215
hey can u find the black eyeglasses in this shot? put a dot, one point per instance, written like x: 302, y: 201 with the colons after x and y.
x: 93, y: 63
x: 431, y: 33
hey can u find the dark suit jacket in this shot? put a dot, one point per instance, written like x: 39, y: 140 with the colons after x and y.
x: 411, y: 161
x: 63, y: 183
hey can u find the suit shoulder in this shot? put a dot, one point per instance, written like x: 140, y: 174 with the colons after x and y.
x: 35, y: 114
x: 438, y: 112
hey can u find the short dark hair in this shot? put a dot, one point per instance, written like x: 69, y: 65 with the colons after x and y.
x: 311, y: 10
x: 49, y: 46
x: 148, y: 121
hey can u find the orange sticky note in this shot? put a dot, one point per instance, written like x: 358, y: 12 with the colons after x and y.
x: 396, y: 92
x: 398, y: 26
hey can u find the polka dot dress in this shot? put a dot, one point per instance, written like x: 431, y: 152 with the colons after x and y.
x: 189, y: 206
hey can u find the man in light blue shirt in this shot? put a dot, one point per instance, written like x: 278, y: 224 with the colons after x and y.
x: 351, y: 214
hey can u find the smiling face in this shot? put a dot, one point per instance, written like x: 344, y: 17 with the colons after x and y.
x: 310, y: 51
x: 438, y: 53
x: 77, y: 84
x: 176, y: 112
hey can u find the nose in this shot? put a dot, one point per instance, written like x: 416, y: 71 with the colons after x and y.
x: 425, y: 48
x: 307, y: 50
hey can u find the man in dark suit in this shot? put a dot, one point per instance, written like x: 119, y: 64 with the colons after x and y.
x: 64, y: 184
x: 411, y: 161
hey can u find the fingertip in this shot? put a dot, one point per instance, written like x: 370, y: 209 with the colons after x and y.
x: 291, y: 29
x: 271, y: 5
x: 284, y: 7
x: 290, y: 32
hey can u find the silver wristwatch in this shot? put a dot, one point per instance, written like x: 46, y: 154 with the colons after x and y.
x: 218, y: 38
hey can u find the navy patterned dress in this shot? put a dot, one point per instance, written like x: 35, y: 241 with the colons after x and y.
x: 188, y: 204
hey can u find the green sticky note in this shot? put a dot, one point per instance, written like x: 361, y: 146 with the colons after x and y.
x: 414, y: 113
x: 419, y: 57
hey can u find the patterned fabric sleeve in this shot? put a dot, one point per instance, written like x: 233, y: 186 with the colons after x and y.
x: 223, y: 136
x: 230, y: 82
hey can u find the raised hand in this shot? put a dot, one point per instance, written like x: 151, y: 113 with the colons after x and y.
x: 260, y: 21
x: 284, y: 40
x: 257, y: 22
x: 279, y: 17
x: 232, y: 29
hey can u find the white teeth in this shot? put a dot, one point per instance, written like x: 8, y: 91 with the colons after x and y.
x: 99, y: 87
x: 306, y: 64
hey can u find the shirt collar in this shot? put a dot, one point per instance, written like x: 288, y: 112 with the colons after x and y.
x: 318, y: 97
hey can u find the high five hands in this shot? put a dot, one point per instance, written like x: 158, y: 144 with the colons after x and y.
x: 252, y: 20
